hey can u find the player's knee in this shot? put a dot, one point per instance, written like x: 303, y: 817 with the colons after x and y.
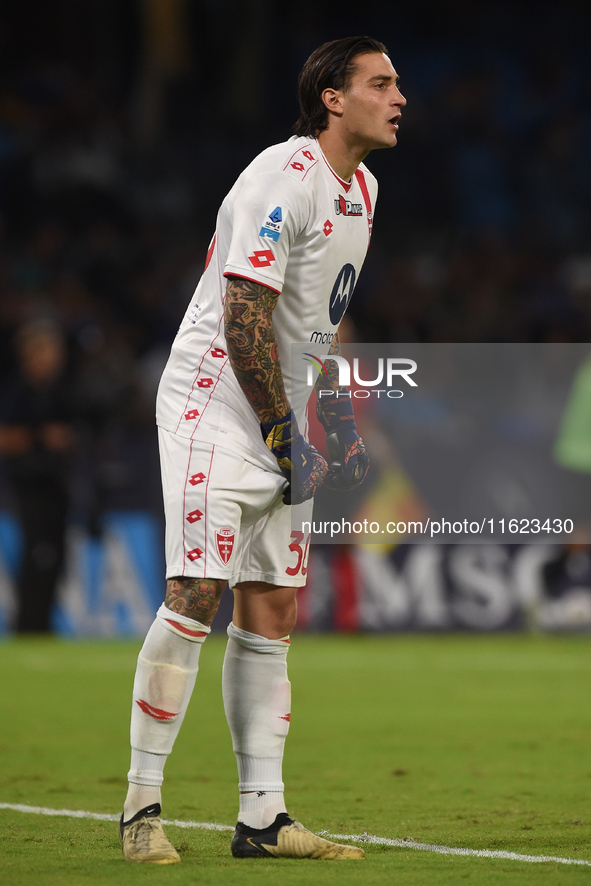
x: 286, y: 619
x: 279, y: 619
x: 266, y: 610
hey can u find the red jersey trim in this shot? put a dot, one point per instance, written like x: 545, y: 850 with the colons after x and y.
x: 210, y: 252
x: 299, y: 151
x: 251, y: 280
x: 346, y: 185
x: 205, y: 546
x: 196, y: 379
x: 366, y: 199
x: 184, y: 504
x: 211, y: 390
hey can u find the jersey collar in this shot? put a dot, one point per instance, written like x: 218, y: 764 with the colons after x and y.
x: 346, y: 185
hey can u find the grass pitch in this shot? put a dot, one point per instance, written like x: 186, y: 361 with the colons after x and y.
x: 458, y: 741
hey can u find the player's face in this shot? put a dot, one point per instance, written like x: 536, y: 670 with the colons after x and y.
x: 373, y: 104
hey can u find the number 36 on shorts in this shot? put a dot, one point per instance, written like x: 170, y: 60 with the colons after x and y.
x: 301, y: 553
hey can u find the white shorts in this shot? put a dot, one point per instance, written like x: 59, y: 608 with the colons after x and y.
x: 225, y: 517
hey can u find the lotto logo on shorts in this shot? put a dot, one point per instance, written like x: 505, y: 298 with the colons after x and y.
x: 205, y: 383
x: 218, y: 352
x: 261, y: 258
x: 196, y: 479
x: 194, y: 554
x: 194, y: 516
x: 191, y: 414
x: 224, y: 539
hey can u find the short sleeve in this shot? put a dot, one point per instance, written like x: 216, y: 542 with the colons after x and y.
x: 269, y: 212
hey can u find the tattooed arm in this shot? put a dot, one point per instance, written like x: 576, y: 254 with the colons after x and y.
x: 254, y: 355
x: 252, y: 347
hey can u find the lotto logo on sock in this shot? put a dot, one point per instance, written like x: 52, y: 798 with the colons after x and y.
x: 156, y: 713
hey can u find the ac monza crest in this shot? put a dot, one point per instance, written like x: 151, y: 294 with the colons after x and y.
x: 224, y: 540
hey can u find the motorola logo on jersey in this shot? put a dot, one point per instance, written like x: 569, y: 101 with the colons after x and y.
x: 345, y: 207
x: 323, y: 338
x: 341, y: 293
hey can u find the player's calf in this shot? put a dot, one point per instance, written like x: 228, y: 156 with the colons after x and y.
x: 165, y: 675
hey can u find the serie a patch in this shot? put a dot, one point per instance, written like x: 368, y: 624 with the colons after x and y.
x: 274, y: 221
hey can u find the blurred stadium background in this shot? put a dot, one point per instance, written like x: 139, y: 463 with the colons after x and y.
x: 122, y: 126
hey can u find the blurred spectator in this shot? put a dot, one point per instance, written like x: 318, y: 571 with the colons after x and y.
x: 37, y: 437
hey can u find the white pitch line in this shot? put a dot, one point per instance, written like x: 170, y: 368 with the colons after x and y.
x: 356, y: 838
x: 105, y: 816
x: 453, y: 850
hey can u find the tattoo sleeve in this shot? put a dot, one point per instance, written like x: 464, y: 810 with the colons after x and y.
x: 252, y: 346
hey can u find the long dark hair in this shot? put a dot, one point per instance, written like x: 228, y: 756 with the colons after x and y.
x: 330, y: 66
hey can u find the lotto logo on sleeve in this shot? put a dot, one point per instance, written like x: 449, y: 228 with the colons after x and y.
x: 274, y: 222
x: 261, y: 258
x: 300, y: 163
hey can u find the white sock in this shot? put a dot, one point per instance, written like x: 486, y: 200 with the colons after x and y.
x: 257, y: 701
x: 148, y: 767
x: 259, y: 809
x: 165, y: 676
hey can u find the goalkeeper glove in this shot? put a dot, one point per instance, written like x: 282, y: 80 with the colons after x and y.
x: 300, y: 463
x: 347, y: 459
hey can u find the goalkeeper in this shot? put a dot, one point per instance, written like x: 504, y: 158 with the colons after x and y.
x: 290, y: 240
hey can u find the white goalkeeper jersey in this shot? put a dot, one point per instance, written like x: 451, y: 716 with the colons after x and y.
x: 289, y: 223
